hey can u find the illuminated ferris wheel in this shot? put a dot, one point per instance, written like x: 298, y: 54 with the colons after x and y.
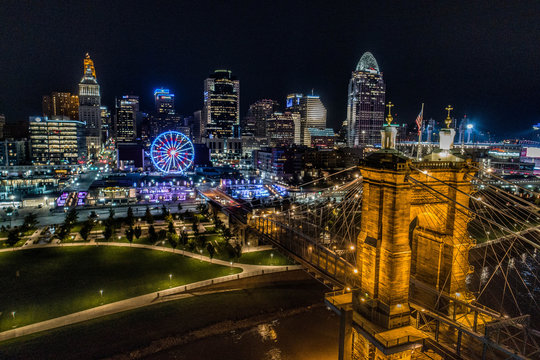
x: 172, y: 152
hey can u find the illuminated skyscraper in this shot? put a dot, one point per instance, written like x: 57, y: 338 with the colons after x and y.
x: 61, y: 104
x: 365, y: 107
x: 312, y: 114
x: 55, y: 141
x: 258, y: 113
x: 280, y: 128
x: 125, y: 118
x: 221, y: 107
x: 164, y: 101
x: 89, y: 107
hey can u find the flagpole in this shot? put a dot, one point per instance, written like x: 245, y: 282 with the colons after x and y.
x: 419, y: 150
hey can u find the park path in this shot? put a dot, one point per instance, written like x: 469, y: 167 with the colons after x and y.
x: 179, y: 292
x: 244, y: 267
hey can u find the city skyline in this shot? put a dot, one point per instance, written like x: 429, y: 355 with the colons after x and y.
x: 418, y: 65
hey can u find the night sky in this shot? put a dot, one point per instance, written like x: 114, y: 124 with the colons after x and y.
x: 484, y: 59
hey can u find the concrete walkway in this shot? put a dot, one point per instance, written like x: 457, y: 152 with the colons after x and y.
x: 244, y: 267
x: 179, y: 292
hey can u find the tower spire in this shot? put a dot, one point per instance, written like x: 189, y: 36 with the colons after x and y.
x: 389, y: 117
x: 448, y: 119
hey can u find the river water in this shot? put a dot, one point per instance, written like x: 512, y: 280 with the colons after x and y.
x: 309, y: 335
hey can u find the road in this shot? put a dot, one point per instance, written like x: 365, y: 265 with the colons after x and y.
x: 46, y: 217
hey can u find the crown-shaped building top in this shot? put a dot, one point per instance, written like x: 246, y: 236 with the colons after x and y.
x: 89, y: 66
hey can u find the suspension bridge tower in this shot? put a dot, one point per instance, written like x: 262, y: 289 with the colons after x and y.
x: 407, y: 243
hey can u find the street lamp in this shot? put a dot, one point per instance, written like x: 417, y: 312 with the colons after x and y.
x: 170, y: 279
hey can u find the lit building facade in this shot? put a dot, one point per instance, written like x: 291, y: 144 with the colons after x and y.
x: 61, y: 104
x: 258, y: 113
x: 89, y: 107
x: 2, y: 125
x: 221, y: 108
x: 164, y: 101
x: 365, y: 106
x: 125, y: 119
x: 312, y: 114
x: 55, y: 141
x: 13, y: 152
x: 280, y: 128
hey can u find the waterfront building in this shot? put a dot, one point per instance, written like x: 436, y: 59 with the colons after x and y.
x: 89, y: 108
x: 221, y: 107
x: 125, y: 119
x: 55, y: 141
x: 61, y: 104
x: 366, y: 100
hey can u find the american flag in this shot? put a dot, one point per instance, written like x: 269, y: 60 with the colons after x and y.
x: 420, y: 119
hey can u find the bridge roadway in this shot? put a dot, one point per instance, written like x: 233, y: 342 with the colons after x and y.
x: 452, y: 336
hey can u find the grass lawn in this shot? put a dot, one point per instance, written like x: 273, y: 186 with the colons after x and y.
x: 265, y: 258
x: 124, y: 332
x: 57, y: 281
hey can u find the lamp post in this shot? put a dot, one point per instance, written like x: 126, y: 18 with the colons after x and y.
x: 170, y: 279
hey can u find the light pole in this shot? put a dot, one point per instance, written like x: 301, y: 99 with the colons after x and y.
x: 170, y: 279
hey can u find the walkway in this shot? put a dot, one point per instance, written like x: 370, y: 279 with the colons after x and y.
x: 179, y: 292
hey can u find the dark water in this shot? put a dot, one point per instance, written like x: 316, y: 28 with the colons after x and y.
x: 311, y: 335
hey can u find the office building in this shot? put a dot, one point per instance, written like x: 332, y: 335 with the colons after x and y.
x: 55, y: 141
x: 365, y: 106
x: 280, y: 128
x: 198, y: 126
x: 89, y: 108
x: 321, y: 138
x: 312, y: 114
x: 107, y: 125
x: 164, y: 101
x: 125, y: 118
x: 61, y: 104
x: 221, y: 107
x: 13, y: 152
x: 255, y: 121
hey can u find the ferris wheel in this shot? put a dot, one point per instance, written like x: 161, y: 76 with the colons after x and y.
x: 172, y: 152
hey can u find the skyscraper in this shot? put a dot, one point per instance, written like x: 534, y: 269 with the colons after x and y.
x: 365, y: 106
x: 164, y: 101
x: 125, y: 118
x: 61, y: 104
x: 312, y: 114
x: 258, y: 113
x: 221, y: 108
x: 280, y: 128
x: 89, y: 107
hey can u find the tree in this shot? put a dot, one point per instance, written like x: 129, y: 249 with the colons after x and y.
x: 164, y: 211
x: 93, y: 216
x: 227, y: 235
x: 169, y: 218
x: 137, y: 232
x: 86, y: 229
x: 129, y: 234
x: 30, y: 222
x: 162, y: 234
x: 211, y: 250
x: 179, y: 208
x: 71, y: 218
x: 13, y: 237
x: 184, y: 238
x: 238, y: 250
x: 130, y: 219
x: 108, y: 232
x: 173, y: 240
x: 202, y: 208
x: 171, y: 228
x: 152, y: 235
x: 148, y: 217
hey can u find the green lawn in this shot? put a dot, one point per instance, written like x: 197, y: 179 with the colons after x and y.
x: 265, y: 258
x: 57, y: 281
x: 120, y: 333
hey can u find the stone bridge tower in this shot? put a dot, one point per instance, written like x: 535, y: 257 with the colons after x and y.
x: 410, y: 241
